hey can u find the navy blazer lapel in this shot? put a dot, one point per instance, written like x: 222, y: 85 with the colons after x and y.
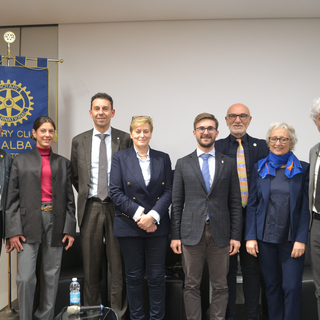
x: 156, y: 166
x: 265, y: 189
x: 133, y: 165
x: 295, y: 186
x: 194, y: 161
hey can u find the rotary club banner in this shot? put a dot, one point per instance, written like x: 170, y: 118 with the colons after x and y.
x: 23, y: 98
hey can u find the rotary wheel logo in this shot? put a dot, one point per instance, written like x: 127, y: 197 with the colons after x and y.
x: 15, y: 103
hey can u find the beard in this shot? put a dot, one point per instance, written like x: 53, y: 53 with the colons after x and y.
x: 240, y: 131
x: 207, y: 144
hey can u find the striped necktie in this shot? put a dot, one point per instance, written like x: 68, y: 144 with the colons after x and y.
x: 242, y: 174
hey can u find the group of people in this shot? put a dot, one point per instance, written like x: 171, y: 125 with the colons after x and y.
x: 238, y: 196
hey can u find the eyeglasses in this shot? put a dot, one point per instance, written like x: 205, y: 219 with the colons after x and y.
x: 133, y: 117
x: 242, y: 116
x: 282, y: 140
x: 202, y: 130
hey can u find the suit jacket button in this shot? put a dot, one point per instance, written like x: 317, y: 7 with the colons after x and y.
x: 128, y: 183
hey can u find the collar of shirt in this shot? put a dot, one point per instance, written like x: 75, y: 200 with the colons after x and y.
x: 244, y: 139
x: 95, y: 149
x: 95, y: 132
x: 139, y: 158
x: 211, y: 162
x: 212, y: 152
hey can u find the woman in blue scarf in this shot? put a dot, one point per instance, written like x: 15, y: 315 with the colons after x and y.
x: 277, y: 221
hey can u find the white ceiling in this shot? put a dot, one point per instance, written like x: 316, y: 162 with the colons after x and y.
x: 39, y: 12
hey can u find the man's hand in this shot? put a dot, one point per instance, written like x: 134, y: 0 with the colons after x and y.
x: 298, y: 249
x: 15, y: 243
x: 252, y: 247
x: 176, y: 246
x: 70, y: 241
x: 145, y: 221
x: 234, y: 247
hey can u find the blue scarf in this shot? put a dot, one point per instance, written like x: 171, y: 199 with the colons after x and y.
x: 272, y: 162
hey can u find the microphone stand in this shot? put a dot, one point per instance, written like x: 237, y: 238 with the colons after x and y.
x: 9, y: 312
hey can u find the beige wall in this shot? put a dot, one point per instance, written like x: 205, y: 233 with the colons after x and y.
x: 173, y: 70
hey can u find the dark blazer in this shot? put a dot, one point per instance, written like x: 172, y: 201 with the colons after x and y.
x: 128, y: 191
x: 81, y: 162
x: 258, y: 149
x: 259, y: 200
x: 5, y: 165
x: 23, y: 211
x: 190, y: 201
x: 313, y: 155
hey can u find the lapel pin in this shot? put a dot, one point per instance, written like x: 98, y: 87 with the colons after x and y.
x: 222, y: 161
x: 118, y: 138
x: 254, y: 144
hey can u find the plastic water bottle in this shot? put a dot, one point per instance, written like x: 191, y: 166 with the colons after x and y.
x: 74, y: 292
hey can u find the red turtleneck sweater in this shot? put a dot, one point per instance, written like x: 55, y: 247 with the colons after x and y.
x: 46, y: 176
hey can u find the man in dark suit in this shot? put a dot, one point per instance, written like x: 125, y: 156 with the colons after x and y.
x: 206, y: 219
x: 314, y: 196
x: 95, y: 209
x: 5, y: 165
x: 238, y: 119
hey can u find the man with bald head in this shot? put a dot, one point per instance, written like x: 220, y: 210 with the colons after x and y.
x: 246, y: 150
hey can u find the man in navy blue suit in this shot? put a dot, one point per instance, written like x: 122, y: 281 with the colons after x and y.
x: 238, y: 119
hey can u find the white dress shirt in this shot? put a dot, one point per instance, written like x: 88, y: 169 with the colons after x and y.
x: 95, y: 149
x: 211, y: 163
x: 146, y: 172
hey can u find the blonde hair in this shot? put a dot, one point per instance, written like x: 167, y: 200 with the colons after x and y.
x: 139, y: 121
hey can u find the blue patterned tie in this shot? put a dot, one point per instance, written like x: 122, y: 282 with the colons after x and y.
x: 205, y: 170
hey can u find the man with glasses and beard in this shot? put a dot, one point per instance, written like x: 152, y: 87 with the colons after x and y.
x: 206, y: 218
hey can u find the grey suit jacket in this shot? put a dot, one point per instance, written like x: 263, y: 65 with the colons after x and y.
x: 81, y: 163
x: 313, y: 155
x: 190, y: 201
x: 5, y: 165
x: 23, y: 210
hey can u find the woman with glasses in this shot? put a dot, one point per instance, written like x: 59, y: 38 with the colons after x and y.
x: 277, y: 221
x: 140, y: 188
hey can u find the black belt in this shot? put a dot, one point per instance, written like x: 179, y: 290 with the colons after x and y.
x: 96, y: 199
x: 316, y: 215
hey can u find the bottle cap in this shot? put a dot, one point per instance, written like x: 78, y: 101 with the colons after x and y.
x: 74, y: 279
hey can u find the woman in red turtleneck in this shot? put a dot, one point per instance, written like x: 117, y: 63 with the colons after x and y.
x: 40, y: 209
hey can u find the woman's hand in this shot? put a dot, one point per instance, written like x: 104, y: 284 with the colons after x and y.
x: 15, y: 243
x: 252, y: 247
x: 145, y: 221
x: 298, y: 249
x: 153, y: 228
x: 70, y: 241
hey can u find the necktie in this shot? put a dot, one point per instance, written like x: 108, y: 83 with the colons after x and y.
x: 205, y: 170
x: 242, y: 174
x: 206, y: 173
x: 317, y: 198
x: 103, y: 169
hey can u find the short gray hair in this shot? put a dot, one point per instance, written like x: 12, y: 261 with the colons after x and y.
x: 283, y: 125
x: 315, y: 110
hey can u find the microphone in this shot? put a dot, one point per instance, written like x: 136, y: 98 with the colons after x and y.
x: 77, y: 309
